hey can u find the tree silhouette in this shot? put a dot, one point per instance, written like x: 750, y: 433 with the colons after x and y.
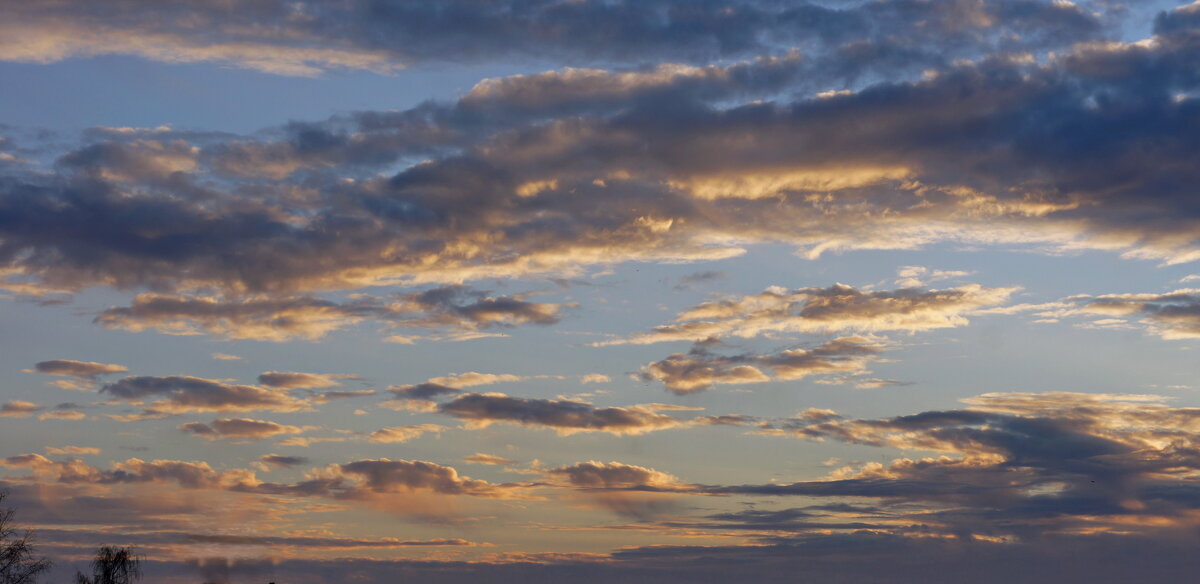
x: 113, y: 565
x: 17, y: 563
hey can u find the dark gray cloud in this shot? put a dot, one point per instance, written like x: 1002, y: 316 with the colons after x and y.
x: 19, y: 409
x: 182, y: 394
x: 138, y: 160
x: 304, y: 38
x: 701, y: 368
x: 240, y: 428
x: 332, y: 395
x: 609, y: 475
x: 563, y: 416
x: 823, y: 310
x: 627, y: 490
x: 1016, y: 466
x: 966, y: 154
x: 644, y: 177
x: 397, y: 434
x: 359, y: 479
x: 691, y: 280
x: 73, y: 505
x: 189, y: 475
x: 1173, y: 315
x: 364, y: 142
x: 369, y: 479
x: 83, y: 369
x: 297, y: 380
x: 283, y: 460
x: 452, y: 308
x: 390, y: 475
x: 423, y: 396
x: 423, y: 391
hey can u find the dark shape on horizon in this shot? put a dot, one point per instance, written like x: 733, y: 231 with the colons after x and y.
x: 17, y: 562
x: 113, y: 565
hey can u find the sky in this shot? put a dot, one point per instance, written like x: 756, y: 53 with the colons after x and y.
x: 603, y: 290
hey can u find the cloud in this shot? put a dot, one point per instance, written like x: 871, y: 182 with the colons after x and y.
x: 305, y: 442
x: 368, y: 479
x: 182, y: 394
x: 1172, y: 316
x: 325, y: 397
x: 62, y: 416
x: 132, y: 161
x: 837, y: 308
x: 402, y: 433
x: 417, y: 488
x: 612, y: 475
x: 189, y: 475
x: 876, y: 383
x: 291, y: 380
x: 700, y: 368
x: 79, y: 369
x: 699, y: 184
x: 240, y: 428
x: 917, y: 276
x: 489, y: 459
x: 689, y: 281
x: 19, y: 409
x: 281, y: 460
x: 615, y: 486
x: 306, y: 39
x: 423, y: 391
x: 285, y: 318
x: 64, y: 411
x: 595, y: 378
x: 418, y: 398
x: 329, y: 543
x: 383, y: 475
x: 1017, y: 465
x: 360, y: 479
x: 422, y: 396
x: 563, y: 416
x: 72, y: 450
x: 473, y: 379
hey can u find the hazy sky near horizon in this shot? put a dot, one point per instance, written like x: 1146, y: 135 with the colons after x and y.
x: 603, y: 290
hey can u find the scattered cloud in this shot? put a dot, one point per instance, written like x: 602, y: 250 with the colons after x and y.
x: 838, y: 308
x: 489, y: 459
x: 397, y: 434
x: 183, y: 394
x: 453, y: 308
x: 325, y: 397
x: 291, y: 380
x: 19, y: 409
x: 73, y: 450
x: 700, y: 368
x: 280, y: 460
x: 307, y: 39
x: 80, y: 369
x: 241, y: 428
x: 565, y: 417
